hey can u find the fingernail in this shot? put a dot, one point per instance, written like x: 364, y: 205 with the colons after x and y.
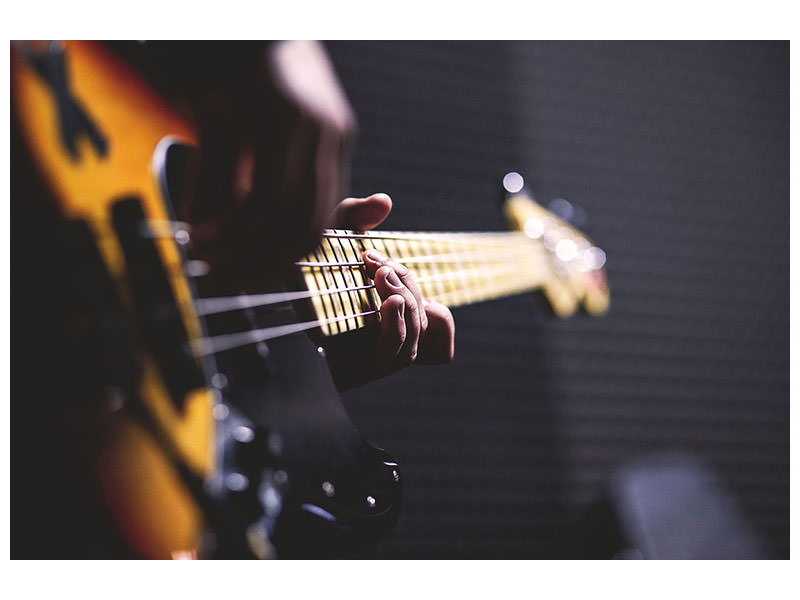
x: 376, y: 256
x: 393, y: 280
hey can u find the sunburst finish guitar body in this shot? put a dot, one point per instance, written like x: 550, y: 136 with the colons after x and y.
x: 150, y: 503
x: 170, y: 438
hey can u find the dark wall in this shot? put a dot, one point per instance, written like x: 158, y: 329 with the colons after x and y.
x: 678, y: 153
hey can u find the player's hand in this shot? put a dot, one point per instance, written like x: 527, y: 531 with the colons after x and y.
x: 413, y: 328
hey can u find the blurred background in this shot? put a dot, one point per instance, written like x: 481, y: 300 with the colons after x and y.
x: 545, y: 438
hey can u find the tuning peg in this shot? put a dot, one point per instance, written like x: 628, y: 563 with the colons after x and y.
x: 569, y: 212
x: 513, y: 182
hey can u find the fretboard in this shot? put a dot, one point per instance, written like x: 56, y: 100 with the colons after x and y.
x: 450, y: 268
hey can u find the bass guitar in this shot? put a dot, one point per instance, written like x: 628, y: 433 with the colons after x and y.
x: 202, y: 425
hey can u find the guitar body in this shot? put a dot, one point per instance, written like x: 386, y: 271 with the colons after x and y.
x: 149, y: 502
x: 148, y: 423
x: 247, y: 454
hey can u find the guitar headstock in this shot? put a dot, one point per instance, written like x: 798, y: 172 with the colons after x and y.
x: 575, y: 275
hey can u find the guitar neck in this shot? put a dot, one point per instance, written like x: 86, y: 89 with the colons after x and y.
x: 451, y: 268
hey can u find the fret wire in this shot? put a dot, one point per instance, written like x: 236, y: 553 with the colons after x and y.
x: 415, y: 248
x: 347, y: 275
x: 487, y: 268
x: 481, y: 271
x: 374, y: 299
x: 392, y: 248
x: 374, y: 244
x: 336, y: 300
x: 355, y: 297
x: 340, y: 273
x: 372, y: 295
x: 470, y: 293
x: 363, y: 296
x: 431, y: 267
x: 464, y: 280
x: 343, y: 274
x: 385, y: 245
x: 437, y: 286
x: 434, y: 269
x: 326, y: 301
x: 495, y: 269
x: 330, y: 273
x: 451, y: 284
x: 329, y: 264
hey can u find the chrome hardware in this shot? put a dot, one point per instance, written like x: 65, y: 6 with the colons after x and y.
x: 178, y: 230
x: 236, y: 482
x: 243, y: 434
x: 196, y: 268
x: 219, y: 381
x: 220, y: 412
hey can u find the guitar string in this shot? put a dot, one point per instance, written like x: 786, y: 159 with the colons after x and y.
x: 223, y: 342
x: 157, y: 228
x: 165, y: 228
x: 220, y: 343
x: 474, y: 239
x: 228, y: 341
x: 330, y: 278
x: 223, y: 304
x: 477, y: 292
x: 370, y: 299
x: 215, y: 305
x: 348, y: 276
x: 452, y: 257
x: 500, y: 271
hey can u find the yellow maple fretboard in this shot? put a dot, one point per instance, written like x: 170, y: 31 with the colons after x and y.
x: 450, y: 268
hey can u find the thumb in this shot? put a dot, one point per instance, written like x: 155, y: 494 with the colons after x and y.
x: 362, y: 213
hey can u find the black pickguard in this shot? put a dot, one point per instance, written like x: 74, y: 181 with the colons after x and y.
x: 338, y: 494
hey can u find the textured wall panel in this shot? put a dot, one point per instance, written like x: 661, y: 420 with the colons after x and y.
x: 678, y: 152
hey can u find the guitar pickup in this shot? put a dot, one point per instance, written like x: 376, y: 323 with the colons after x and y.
x: 161, y: 318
